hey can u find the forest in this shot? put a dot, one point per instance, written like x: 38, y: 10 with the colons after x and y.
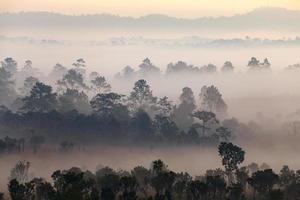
x: 71, y: 110
x: 159, y: 182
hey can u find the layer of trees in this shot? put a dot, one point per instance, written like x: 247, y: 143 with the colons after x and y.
x: 234, y: 182
x: 79, y: 105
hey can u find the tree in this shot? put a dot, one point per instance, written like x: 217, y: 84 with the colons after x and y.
x: 109, y: 104
x: 216, y: 187
x: 224, y: 134
x: 182, y: 113
x: 99, y: 85
x: 181, y: 67
x: 197, y: 190
x: 227, y: 67
x: 211, y: 100
x: 28, y: 65
x: 158, y: 166
x: 80, y: 65
x: 126, y: 73
x: 208, y: 69
x: 164, y: 107
x: 263, y: 181
x: 181, y: 184
x: 72, y: 184
x: 128, y: 185
x: 41, y: 99
x: 286, y: 176
x: 20, y: 172
x: 29, y: 82
x: 266, y: 64
x: 235, y: 192
x: 166, y: 127
x: 205, y: 117
x: 72, y: 80
x: 28, y: 70
x: 254, y: 64
x: 7, y: 87
x: 10, y: 65
x: 72, y: 99
x: 162, y: 182
x: 41, y: 190
x: 242, y: 175
x: 142, y: 176
x: 110, y: 184
x: 148, y: 68
x: 232, y: 156
x: 57, y: 72
x: 142, y: 125
x: 17, y: 191
x: 141, y: 97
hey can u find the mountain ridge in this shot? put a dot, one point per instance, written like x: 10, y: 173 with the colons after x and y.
x: 272, y: 18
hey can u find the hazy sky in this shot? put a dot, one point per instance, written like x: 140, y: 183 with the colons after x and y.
x: 179, y: 8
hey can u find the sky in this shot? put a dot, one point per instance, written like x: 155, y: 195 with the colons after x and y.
x: 179, y: 8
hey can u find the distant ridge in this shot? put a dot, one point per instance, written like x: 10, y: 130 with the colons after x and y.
x: 267, y: 18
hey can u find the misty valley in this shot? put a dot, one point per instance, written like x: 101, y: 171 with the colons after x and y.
x: 185, y: 132
x: 149, y: 100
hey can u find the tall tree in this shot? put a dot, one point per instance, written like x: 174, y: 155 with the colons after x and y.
x: 148, y: 68
x: 57, y: 72
x: 100, y: 85
x: 109, y: 104
x: 263, y: 182
x: 72, y: 99
x: 7, y: 87
x: 205, y: 117
x: 164, y: 107
x: 182, y: 113
x: 41, y: 99
x: 29, y: 82
x: 211, y: 100
x: 232, y: 156
x: 72, y: 80
x: 80, y: 66
x: 141, y: 97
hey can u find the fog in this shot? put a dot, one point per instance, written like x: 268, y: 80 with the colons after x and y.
x: 263, y: 106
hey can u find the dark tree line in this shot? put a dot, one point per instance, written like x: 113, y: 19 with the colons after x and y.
x: 139, y: 117
x: 160, y: 183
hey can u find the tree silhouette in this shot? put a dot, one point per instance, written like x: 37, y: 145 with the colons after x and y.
x: 99, y: 85
x: 29, y: 83
x: 211, y: 100
x: 72, y: 80
x: 182, y: 113
x: 232, y: 156
x: 227, y: 67
x: 41, y: 99
x: 263, y: 182
x: 7, y: 87
x: 141, y: 97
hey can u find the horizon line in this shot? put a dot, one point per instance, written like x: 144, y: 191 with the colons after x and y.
x: 146, y: 15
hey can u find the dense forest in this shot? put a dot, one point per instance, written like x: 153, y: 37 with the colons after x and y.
x: 82, y: 105
x: 70, y: 110
x: 159, y: 182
